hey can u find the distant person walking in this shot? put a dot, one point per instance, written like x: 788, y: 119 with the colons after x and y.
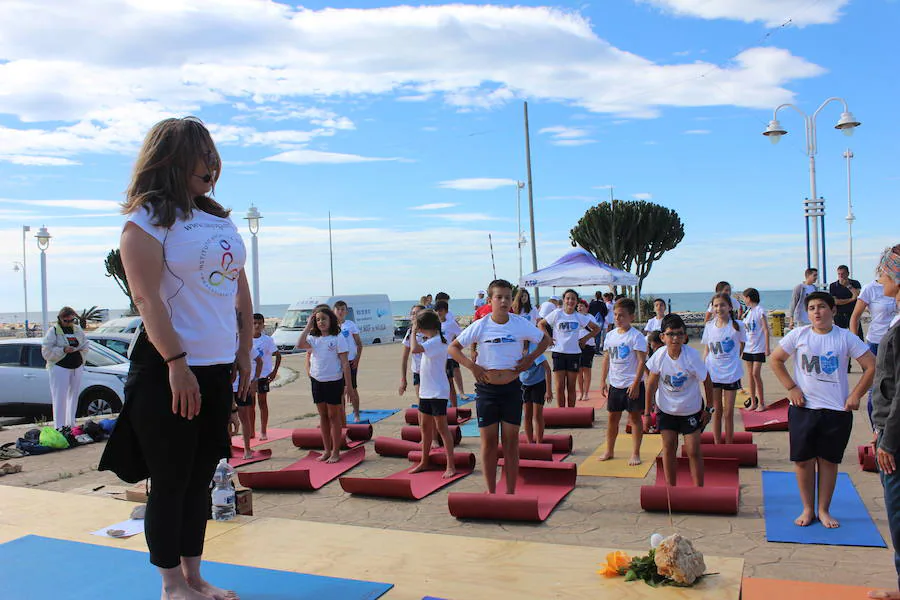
x: 845, y: 292
x: 63, y: 348
x: 598, y: 309
x: 480, y: 300
x: 797, y: 309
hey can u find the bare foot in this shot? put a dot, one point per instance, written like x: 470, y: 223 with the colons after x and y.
x: 248, y: 455
x: 884, y: 594
x: 211, y: 591
x: 450, y: 472
x: 335, y: 457
x: 183, y: 593
x: 356, y: 417
x: 827, y: 520
x: 324, y: 457
x: 263, y: 437
x: 761, y: 407
x: 634, y: 461
x: 606, y: 456
x: 419, y: 467
x: 252, y: 435
x: 805, y: 519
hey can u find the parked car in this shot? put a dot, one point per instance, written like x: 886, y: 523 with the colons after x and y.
x: 25, y: 381
x: 120, y: 325
x: 370, y: 312
x: 401, y: 326
x: 117, y: 342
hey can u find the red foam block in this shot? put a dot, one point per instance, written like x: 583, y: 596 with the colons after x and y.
x: 311, y: 439
x: 388, y: 446
x: 412, y: 486
x: 237, y: 456
x: 576, y: 416
x: 455, y: 416
x: 774, y: 418
x: 562, y: 443
x: 276, y: 433
x: 720, y: 493
x: 412, y: 433
x: 746, y: 454
x: 534, y: 452
x: 540, y: 487
x: 305, y: 474
x: 740, y: 437
x: 867, y: 460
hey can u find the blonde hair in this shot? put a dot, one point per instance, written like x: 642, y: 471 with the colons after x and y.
x: 65, y: 311
x: 163, y: 168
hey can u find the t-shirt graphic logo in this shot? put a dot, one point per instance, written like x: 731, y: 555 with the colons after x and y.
x: 346, y: 333
x: 506, y: 339
x: 332, y: 347
x: 218, y: 267
x: 674, y: 382
x: 827, y: 364
x: 723, y: 347
x: 619, y: 352
x: 567, y: 326
x: 752, y: 326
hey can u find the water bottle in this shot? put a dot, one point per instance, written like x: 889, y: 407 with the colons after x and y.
x: 223, y: 492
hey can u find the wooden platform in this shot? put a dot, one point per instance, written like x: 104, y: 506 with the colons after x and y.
x: 418, y: 564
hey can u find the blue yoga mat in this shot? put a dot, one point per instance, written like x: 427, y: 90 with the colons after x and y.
x: 781, y: 500
x: 37, y: 568
x: 374, y: 415
x: 470, y: 428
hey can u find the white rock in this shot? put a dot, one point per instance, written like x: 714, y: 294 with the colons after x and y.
x: 677, y: 558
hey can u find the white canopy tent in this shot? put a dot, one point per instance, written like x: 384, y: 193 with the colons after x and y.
x: 576, y: 268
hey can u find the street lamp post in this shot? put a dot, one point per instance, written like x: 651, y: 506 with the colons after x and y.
x: 520, y: 235
x: 43, y: 242
x: 850, y: 218
x: 253, y: 218
x: 17, y: 266
x: 25, y: 229
x: 847, y: 123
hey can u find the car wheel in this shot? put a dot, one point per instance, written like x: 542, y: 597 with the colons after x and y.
x: 98, y: 401
x: 376, y: 341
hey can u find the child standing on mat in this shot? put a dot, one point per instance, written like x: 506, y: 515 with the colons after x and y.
x: 757, y: 348
x: 536, y: 391
x: 450, y: 329
x: 723, y: 341
x: 434, y: 387
x: 265, y: 344
x: 498, y: 393
x: 245, y: 403
x: 820, y: 417
x: 329, y: 375
x: 586, y: 362
x: 622, y: 374
x: 350, y: 331
x: 416, y: 358
x: 676, y: 373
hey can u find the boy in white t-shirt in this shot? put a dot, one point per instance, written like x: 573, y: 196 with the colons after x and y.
x: 269, y: 351
x: 622, y: 376
x: 757, y: 348
x: 820, y: 418
x: 450, y: 329
x: 655, y: 323
x: 676, y: 374
x: 245, y: 404
x: 350, y: 331
x: 404, y: 358
x: 500, y: 337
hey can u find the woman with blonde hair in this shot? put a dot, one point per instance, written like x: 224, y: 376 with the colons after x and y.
x: 184, y: 260
x: 63, y: 348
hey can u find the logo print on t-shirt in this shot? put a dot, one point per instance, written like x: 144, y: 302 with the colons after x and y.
x: 723, y: 347
x: 619, y: 352
x: 728, y: 344
x: 752, y: 326
x: 506, y: 339
x: 219, y: 270
x: 567, y: 326
x: 673, y: 383
x: 827, y: 364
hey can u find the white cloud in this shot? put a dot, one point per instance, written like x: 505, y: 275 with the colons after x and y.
x: 476, y: 183
x: 771, y: 12
x: 311, y: 157
x: 582, y: 198
x: 37, y: 161
x: 642, y: 196
x: 465, y: 217
x: 74, y: 204
x: 698, y: 132
x: 580, y: 142
x: 434, y: 206
x: 567, y: 136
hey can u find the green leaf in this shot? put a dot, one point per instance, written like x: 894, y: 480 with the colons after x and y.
x: 630, y: 575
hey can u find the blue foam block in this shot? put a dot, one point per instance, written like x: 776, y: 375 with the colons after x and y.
x: 35, y: 568
x: 373, y: 415
x: 781, y: 499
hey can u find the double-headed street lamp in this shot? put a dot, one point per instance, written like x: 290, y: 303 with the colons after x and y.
x: 253, y: 218
x: 43, y: 242
x: 520, y: 235
x: 814, y: 207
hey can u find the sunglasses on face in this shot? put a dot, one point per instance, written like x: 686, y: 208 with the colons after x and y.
x: 673, y: 334
x: 70, y: 320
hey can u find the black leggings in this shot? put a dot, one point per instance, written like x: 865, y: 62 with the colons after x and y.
x: 181, y: 456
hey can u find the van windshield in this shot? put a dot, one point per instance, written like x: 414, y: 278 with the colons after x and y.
x: 296, y: 319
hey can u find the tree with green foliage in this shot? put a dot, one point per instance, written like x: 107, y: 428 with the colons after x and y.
x: 629, y: 234
x: 115, y: 270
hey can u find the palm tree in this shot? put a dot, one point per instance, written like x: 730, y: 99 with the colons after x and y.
x: 91, y: 315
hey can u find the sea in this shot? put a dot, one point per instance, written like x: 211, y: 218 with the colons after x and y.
x: 678, y: 302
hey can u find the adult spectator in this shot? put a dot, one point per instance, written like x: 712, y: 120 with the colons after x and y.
x: 845, y: 292
x: 598, y: 309
x: 63, y: 348
x: 549, y: 306
x: 480, y: 300
x: 797, y: 309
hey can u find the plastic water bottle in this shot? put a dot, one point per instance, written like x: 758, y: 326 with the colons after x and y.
x: 223, y: 492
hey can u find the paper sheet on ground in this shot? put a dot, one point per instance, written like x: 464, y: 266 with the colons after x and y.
x: 651, y: 446
x: 130, y: 527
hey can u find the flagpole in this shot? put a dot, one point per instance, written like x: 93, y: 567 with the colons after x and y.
x: 330, y: 253
x: 534, y: 267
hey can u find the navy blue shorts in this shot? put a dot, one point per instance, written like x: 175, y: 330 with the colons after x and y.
x: 566, y: 362
x: 451, y: 364
x: 415, y: 379
x: 262, y: 385
x: 435, y: 407
x: 329, y: 392
x: 819, y: 433
x: 728, y: 386
x: 754, y: 356
x: 587, y: 357
x: 496, y: 403
x: 536, y: 393
x: 619, y: 401
x: 683, y: 424
x: 243, y: 402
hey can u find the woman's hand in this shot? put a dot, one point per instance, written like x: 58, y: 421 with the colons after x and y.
x: 185, y: 390
x: 243, y: 368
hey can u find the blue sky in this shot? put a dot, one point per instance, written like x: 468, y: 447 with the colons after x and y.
x: 406, y: 123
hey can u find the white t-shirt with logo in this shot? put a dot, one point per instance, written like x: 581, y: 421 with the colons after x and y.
x: 204, y: 256
x: 679, y: 381
x: 723, y: 357
x: 499, y: 345
x: 820, y: 364
x: 433, y: 382
x: 416, y: 358
x: 348, y: 330
x: 267, y: 347
x: 654, y: 324
x: 881, y: 308
x: 451, y: 330
x: 755, y: 325
x: 325, y: 362
x: 567, y: 330
x: 622, y: 349
x: 255, y: 353
x: 735, y: 306
x: 591, y: 341
x: 610, y: 317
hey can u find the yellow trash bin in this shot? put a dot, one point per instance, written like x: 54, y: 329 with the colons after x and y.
x: 777, y: 324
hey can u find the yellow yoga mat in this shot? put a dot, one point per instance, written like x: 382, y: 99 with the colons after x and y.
x: 651, y: 446
x: 740, y: 397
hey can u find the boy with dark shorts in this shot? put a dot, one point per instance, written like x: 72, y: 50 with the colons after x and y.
x: 820, y: 418
x: 500, y: 337
x: 536, y: 391
x: 622, y: 376
x: 450, y: 329
x: 676, y: 373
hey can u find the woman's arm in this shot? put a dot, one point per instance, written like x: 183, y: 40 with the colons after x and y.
x: 244, y: 315
x: 303, y: 342
x: 767, y: 334
x: 857, y: 315
x: 51, y: 352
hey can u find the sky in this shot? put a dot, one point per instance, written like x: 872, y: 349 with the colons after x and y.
x: 406, y: 124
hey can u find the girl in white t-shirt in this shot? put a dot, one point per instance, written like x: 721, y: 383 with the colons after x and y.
x: 882, y: 310
x: 404, y: 358
x: 723, y: 287
x: 583, y: 387
x: 329, y: 374
x: 723, y: 341
x: 434, y: 387
x: 757, y: 348
x: 522, y: 306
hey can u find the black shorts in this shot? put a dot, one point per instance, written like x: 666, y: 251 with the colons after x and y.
x: 587, y: 357
x: 416, y: 379
x: 566, y: 362
x: 262, y: 385
x: 451, y: 364
x: 819, y: 433
x: 243, y: 402
x: 329, y: 392
x: 436, y: 407
x: 618, y: 400
x: 754, y: 357
x: 536, y: 393
x: 728, y: 386
x: 683, y: 424
x: 495, y: 403
x: 353, y: 377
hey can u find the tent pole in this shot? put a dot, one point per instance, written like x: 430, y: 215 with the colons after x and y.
x: 534, y: 267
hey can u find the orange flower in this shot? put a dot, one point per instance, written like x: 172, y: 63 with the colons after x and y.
x: 607, y: 571
x: 616, y: 564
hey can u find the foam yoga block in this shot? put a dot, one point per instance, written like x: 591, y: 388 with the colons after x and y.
x: 746, y: 454
x: 740, y: 437
x: 541, y: 486
x: 306, y: 474
x: 455, y: 416
x: 866, y: 455
x: 560, y: 441
x: 388, y: 446
x: 577, y: 416
x: 237, y: 456
x: 720, y: 493
x: 774, y: 418
x: 412, y: 433
x: 532, y: 451
x: 412, y: 486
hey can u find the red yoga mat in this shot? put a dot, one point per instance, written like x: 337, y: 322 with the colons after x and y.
x: 740, y: 437
x: 746, y: 454
x: 561, y: 442
x: 276, y: 433
x: 305, y: 474
x: 237, y: 456
x: 577, y: 416
x: 311, y: 439
x: 536, y: 452
x: 388, y: 446
x: 412, y: 433
x: 541, y: 486
x: 455, y: 416
x: 774, y: 418
x: 719, y: 495
x: 412, y: 486
x: 866, y: 456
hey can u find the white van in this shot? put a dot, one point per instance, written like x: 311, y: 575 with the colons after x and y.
x: 371, y: 313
